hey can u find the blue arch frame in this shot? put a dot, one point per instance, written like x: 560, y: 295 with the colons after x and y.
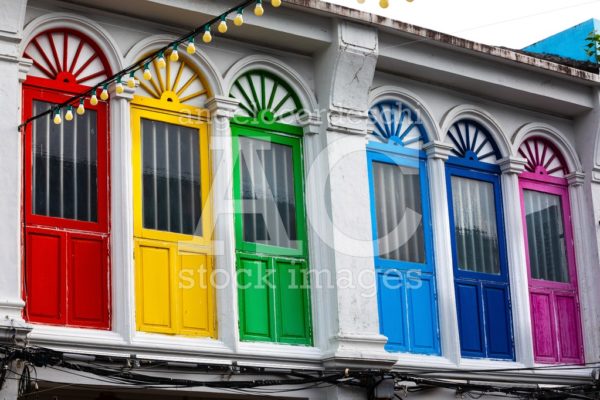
x: 482, y: 300
x: 407, y: 295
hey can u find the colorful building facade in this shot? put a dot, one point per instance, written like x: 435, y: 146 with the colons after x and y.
x: 312, y: 191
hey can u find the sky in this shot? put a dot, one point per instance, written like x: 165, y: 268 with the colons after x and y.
x: 510, y: 23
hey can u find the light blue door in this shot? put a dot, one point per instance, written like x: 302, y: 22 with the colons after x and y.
x: 404, y: 261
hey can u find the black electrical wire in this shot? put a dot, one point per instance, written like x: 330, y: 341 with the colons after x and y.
x: 132, y: 378
x: 190, y: 35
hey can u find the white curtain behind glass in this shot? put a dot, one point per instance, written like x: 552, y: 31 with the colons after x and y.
x: 545, y: 236
x: 475, y: 229
x: 269, y: 205
x: 399, y: 213
x: 171, y: 178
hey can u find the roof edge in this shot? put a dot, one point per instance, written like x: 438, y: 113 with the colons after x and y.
x: 446, y: 39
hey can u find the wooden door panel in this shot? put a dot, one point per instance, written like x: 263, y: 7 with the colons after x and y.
x: 196, y: 314
x: 255, y: 299
x: 153, y: 270
x: 498, y: 323
x: 542, y: 312
x: 567, y: 316
x: 420, y: 294
x: 45, y: 276
x: 392, y: 309
x: 88, y: 280
x: 470, y: 321
x: 292, y: 300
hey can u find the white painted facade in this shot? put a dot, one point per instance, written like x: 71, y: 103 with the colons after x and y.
x: 339, y: 62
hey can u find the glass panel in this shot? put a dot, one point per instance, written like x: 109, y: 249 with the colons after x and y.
x: 269, y: 203
x: 398, y: 212
x: 546, y: 236
x: 64, y: 175
x: 171, y: 178
x: 475, y: 229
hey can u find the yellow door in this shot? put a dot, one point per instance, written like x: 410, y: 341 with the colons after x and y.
x: 173, y: 262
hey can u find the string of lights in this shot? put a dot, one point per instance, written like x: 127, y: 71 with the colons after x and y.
x: 127, y: 74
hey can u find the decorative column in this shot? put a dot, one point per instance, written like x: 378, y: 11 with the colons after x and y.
x: 346, y: 281
x: 121, y: 192
x: 12, y: 15
x: 588, y: 273
x: 517, y: 262
x: 222, y: 109
x: 437, y: 154
x: 13, y: 69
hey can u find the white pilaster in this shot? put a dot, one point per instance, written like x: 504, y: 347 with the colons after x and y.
x: 12, y: 15
x: 221, y: 110
x: 121, y: 174
x: 517, y: 262
x: 345, y: 72
x: 588, y: 273
x: 437, y: 154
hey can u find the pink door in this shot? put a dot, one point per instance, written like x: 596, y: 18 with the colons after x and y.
x: 555, y: 313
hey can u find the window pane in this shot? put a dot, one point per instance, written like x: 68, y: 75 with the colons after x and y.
x: 398, y: 212
x: 475, y: 229
x: 546, y: 236
x: 269, y: 203
x: 64, y: 176
x: 171, y: 178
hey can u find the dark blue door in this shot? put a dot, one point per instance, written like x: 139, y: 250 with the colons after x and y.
x: 480, y: 265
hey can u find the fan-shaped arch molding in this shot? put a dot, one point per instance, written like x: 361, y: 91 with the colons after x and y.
x: 266, y: 97
x: 543, y: 157
x: 395, y: 122
x: 180, y: 82
x: 471, y: 141
x: 67, y: 56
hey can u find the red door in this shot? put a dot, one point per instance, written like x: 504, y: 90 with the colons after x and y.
x: 66, y: 221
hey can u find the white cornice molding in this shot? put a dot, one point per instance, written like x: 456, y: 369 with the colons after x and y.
x: 437, y: 150
x: 222, y: 106
x: 512, y: 165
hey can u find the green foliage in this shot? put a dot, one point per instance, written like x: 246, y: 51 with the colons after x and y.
x: 592, y: 48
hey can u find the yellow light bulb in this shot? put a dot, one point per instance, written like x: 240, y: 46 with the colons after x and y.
x: 259, y: 10
x: 277, y: 3
x: 191, y: 48
x: 222, y: 26
x: 94, y: 99
x: 174, y: 55
x: 69, y: 114
x: 104, y: 94
x: 147, y: 74
x: 384, y: 3
x: 238, y: 20
x: 80, y: 109
x: 119, y: 88
x: 131, y: 82
x: 161, y: 62
x: 57, y: 118
x: 207, y: 37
